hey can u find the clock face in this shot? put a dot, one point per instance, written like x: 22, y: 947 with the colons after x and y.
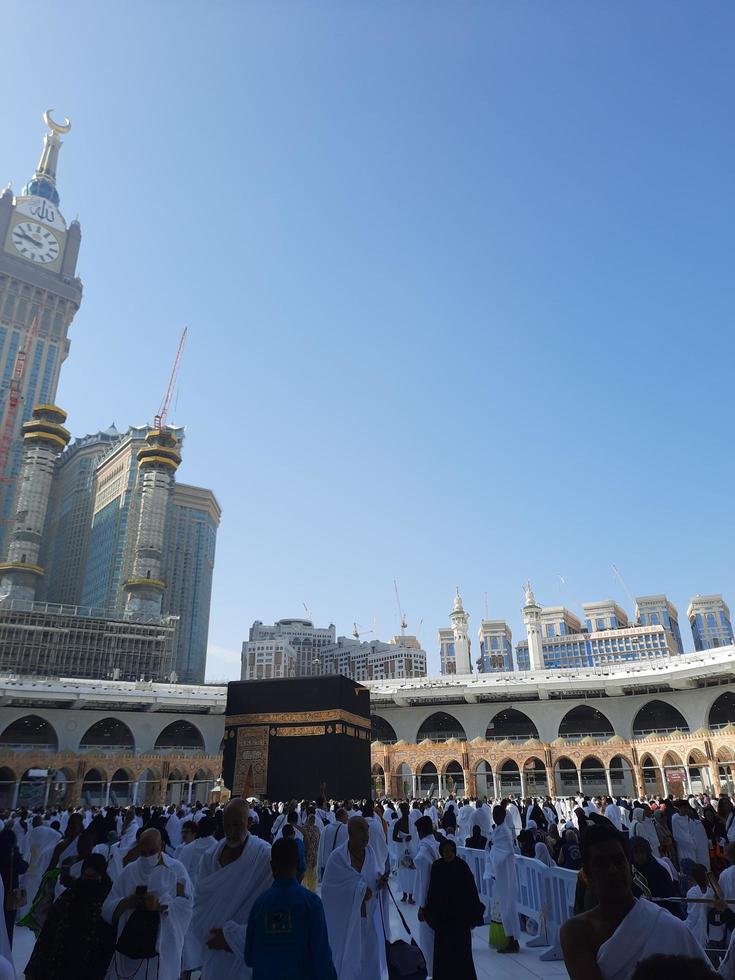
x: 34, y: 242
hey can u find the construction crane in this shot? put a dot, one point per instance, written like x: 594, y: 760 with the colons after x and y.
x: 624, y: 584
x: 14, y: 398
x: 357, y: 633
x: 160, y: 420
x: 401, y: 614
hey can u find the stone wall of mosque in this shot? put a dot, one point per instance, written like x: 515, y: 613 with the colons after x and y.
x: 38, y: 778
x: 659, y: 763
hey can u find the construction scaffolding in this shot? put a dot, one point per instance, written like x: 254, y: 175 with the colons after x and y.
x: 76, y: 641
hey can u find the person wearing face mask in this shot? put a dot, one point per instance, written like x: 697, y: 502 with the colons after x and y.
x: 231, y: 877
x: 75, y: 940
x: 150, y: 906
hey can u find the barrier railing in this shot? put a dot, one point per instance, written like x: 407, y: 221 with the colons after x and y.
x: 477, y: 861
x: 545, y: 896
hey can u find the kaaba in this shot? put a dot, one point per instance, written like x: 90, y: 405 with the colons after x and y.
x: 297, y: 738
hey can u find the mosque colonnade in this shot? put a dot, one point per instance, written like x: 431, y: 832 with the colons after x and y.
x: 615, y: 746
x: 67, y: 756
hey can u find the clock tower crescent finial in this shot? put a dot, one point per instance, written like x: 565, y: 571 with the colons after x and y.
x: 55, y: 127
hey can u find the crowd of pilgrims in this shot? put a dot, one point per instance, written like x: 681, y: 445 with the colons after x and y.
x: 303, y: 889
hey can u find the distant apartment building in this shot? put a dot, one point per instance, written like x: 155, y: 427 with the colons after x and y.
x: 496, y: 646
x: 295, y: 648
x: 288, y: 648
x: 709, y: 618
x: 607, y: 636
x: 656, y: 610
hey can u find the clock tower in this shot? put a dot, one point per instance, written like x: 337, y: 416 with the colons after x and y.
x: 39, y: 296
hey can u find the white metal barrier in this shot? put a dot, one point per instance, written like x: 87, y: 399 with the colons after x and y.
x: 477, y: 861
x: 545, y: 896
x: 560, y: 884
x: 530, y: 876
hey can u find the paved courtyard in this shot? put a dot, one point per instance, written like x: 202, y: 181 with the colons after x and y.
x: 525, y: 965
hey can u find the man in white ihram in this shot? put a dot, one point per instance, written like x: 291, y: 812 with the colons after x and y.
x: 231, y: 877
x: 501, y: 867
x: 349, y: 896
x: 427, y: 853
x: 331, y: 837
x: 168, y: 893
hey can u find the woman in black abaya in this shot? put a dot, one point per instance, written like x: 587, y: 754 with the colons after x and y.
x: 453, y: 908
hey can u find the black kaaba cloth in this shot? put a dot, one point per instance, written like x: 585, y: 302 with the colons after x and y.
x: 297, y: 738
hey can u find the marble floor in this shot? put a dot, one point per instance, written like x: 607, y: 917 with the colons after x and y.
x: 489, y: 964
x: 525, y: 965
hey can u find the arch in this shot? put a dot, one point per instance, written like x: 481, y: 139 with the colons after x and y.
x: 177, y: 787
x: 32, y: 789
x: 181, y: 737
x: 7, y: 787
x: 583, y: 721
x: 404, y: 781
x: 511, y: 724
x: 565, y: 777
x: 726, y: 769
x: 698, y: 772
x: 94, y: 787
x: 672, y: 758
x: 30, y: 732
x: 148, y: 786
x: 621, y: 776
x: 722, y: 712
x: 121, y: 787
x: 108, y: 735
x: 440, y: 727
x: 658, y: 718
x: 592, y: 774
x: 377, y: 780
x: 454, y: 778
x: 651, y: 772
x: 428, y: 779
x: 382, y: 730
x: 62, y: 786
x: 535, y: 782
x: 202, y: 784
x: 484, y: 779
x: 509, y: 777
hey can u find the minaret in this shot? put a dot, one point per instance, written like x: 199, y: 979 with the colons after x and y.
x: 44, y: 437
x: 532, y: 621
x: 460, y: 623
x: 158, y: 461
x: 43, y: 182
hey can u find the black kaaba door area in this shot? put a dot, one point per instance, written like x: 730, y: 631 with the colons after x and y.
x: 297, y: 738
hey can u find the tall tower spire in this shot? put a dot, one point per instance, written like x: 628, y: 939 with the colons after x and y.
x: 532, y: 622
x: 43, y: 182
x: 158, y: 461
x: 44, y: 437
x: 460, y: 623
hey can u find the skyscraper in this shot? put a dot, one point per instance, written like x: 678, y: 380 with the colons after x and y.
x: 188, y: 566
x: 38, y: 258
x: 186, y: 550
x: 69, y: 520
x: 709, y: 617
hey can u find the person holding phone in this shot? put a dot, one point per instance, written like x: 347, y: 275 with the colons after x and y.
x: 150, y: 905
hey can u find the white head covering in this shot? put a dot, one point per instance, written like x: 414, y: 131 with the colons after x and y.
x: 541, y: 853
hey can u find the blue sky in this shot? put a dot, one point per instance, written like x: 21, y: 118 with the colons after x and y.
x: 458, y: 279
